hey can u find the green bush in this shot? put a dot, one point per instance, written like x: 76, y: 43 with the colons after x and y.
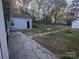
x: 68, y: 31
x: 66, y: 57
x: 35, y: 26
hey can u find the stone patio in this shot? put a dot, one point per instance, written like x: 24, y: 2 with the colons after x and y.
x: 23, y: 47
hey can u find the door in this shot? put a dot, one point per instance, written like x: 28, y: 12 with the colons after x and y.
x: 28, y: 24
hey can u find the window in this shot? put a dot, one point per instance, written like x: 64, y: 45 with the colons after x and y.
x: 12, y: 22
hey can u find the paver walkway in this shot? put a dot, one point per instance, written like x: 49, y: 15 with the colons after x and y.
x: 23, y: 47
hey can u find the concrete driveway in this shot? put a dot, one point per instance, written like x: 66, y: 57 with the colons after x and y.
x: 23, y: 47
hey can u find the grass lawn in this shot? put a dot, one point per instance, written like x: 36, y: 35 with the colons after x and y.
x: 70, y: 39
x: 58, y: 43
x: 61, y: 42
x: 41, y: 28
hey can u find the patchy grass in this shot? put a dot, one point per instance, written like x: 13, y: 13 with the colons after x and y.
x: 61, y: 42
x: 70, y: 39
x: 41, y: 28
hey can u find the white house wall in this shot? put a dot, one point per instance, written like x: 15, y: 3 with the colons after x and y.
x: 31, y: 24
x: 21, y: 23
x: 3, y: 40
x: 75, y: 24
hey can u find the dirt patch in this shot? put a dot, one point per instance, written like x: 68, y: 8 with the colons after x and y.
x: 55, y: 45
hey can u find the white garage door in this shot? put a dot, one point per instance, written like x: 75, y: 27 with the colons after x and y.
x: 20, y: 23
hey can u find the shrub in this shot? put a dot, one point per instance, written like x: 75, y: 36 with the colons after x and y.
x: 66, y: 57
x: 35, y: 26
x: 68, y: 31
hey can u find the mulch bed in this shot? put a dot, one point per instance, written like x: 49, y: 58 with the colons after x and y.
x: 55, y: 45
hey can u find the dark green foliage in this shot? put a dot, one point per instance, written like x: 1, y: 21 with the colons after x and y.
x: 66, y: 57
x: 68, y: 31
x: 35, y: 26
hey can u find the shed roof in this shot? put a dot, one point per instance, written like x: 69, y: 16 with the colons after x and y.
x: 21, y: 16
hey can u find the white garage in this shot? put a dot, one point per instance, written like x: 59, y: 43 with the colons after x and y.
x: 75, y: 23
x: 20, y: 22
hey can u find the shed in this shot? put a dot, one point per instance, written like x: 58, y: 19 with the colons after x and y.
x: 20, y: 22
x: 75, y: 23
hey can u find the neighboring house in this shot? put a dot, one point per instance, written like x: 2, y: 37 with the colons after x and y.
x: 75, y: 23
x: 21, y: 22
